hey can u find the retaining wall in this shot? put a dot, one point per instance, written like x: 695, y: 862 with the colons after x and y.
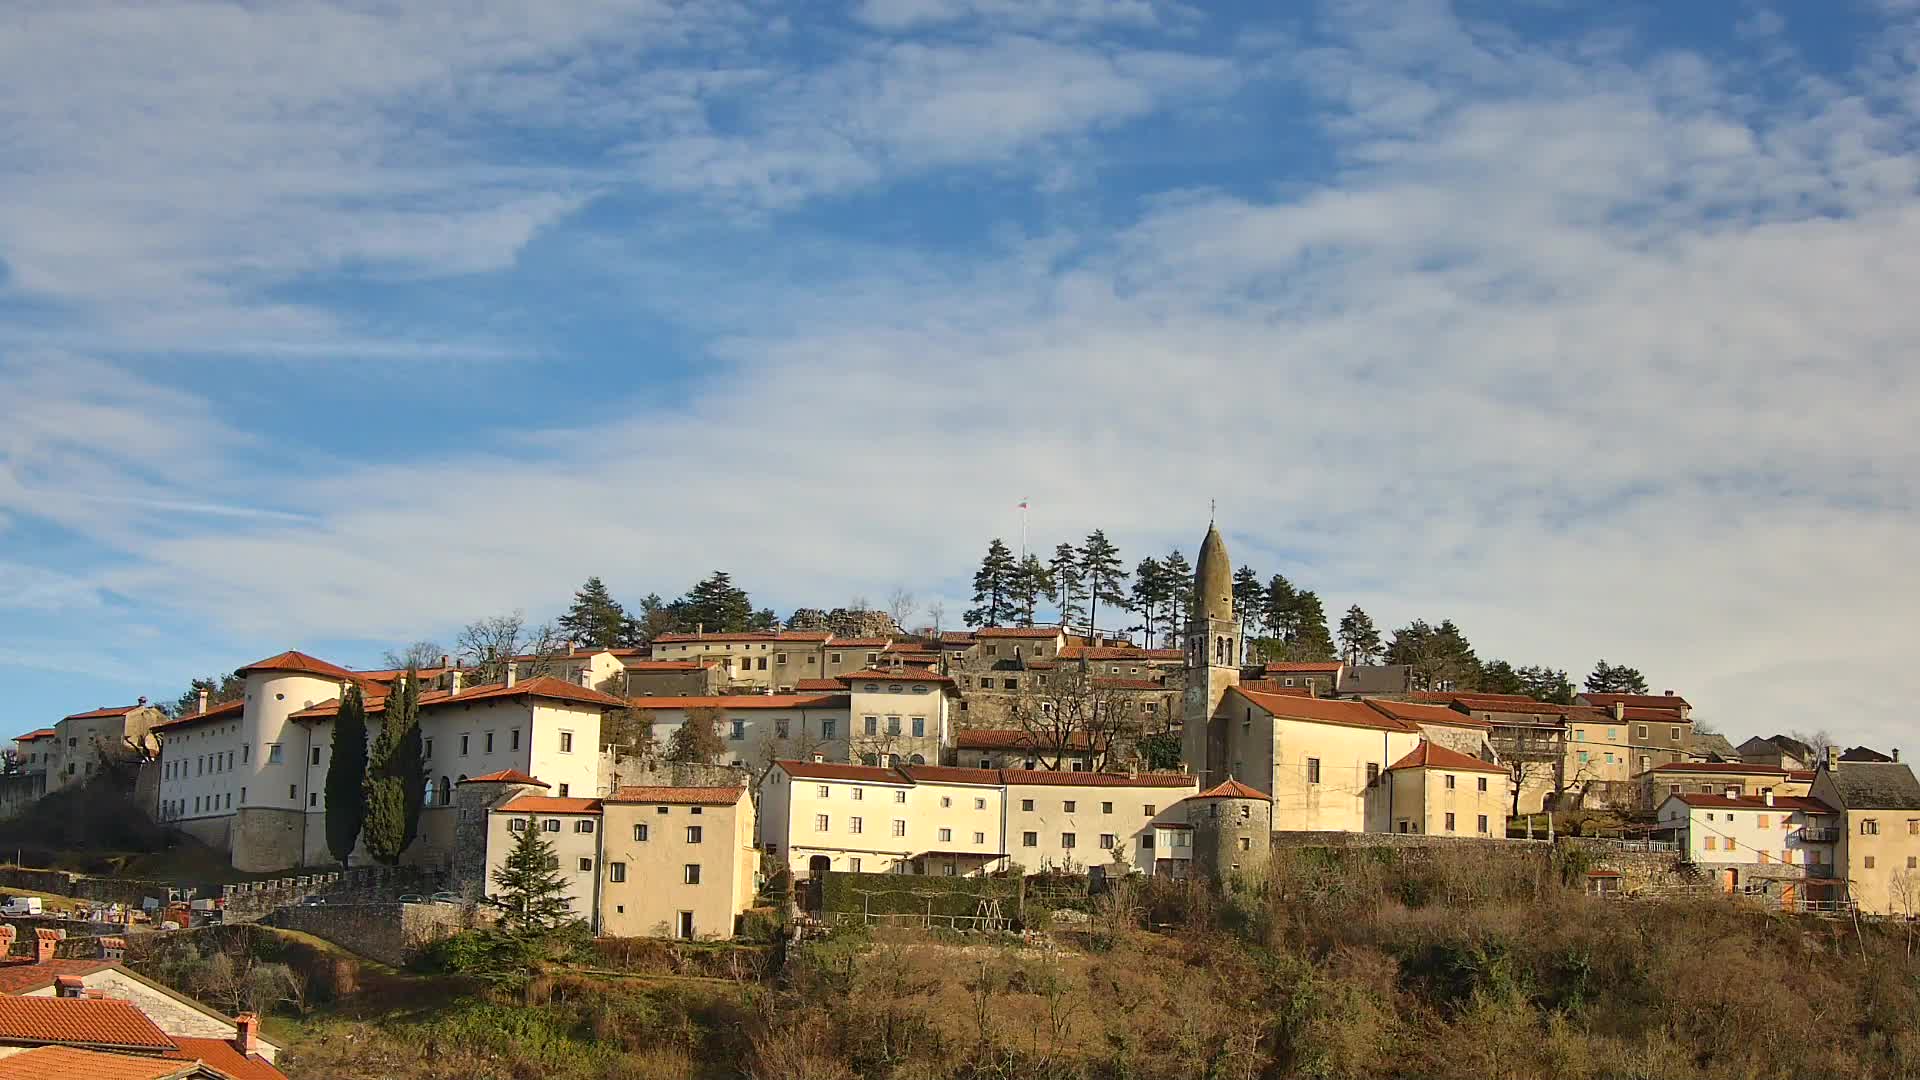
x: 387, y: 932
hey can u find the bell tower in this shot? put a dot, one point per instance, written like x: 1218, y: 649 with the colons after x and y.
x: 1212, y: 661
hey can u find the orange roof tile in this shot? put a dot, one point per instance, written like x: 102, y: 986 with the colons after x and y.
x: 229, y: 710
x: 902, y: 675
x: 1754, y: 802
x: 859, y: 643
x: 831, y: 685
x: 1065, y: 778
x: 222, y: 1055
x: 1342, y: 711
x: 298, y: 663
x: 668, y: 665
x: 91, y: 1022
x: 744, y: 635
x: 1416, y: 713
x: 21, y: 975
x: 1016, y: 632
x: 506, y: 776
x: 545, y: 686
x: 1656, y: 716
x: 103, y: 712
x: 946, y: 774
x: 31, y: 736
x: 678, y: 796
x: 1232, y: 789
x: 547, y: 804
x: 70, y: 1063
x: 742, y: 701
x: 1735, y: 767
x: 1118, y: 652
x: 823, y: 770
x: 1014, y: 739
x: 1431, y: 756
x: 1668, y: 702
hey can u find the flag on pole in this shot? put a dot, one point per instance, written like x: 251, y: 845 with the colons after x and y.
x: 1023, y: 504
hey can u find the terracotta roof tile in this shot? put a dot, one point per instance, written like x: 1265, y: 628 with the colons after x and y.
x: 1012, y: 739
x: 946, y: 774
x: 1016, y: 632
x: 1344, y: 712
x: 828, y: 685
x: 91, y: 1022
x: 547, y: 804
x: 1430, y: 756
x: 1232, y: 789
x: 1060, y: 778
x: 221, y: 1054
x: 738, y: 702
x: 1416, y: 713
x: 1269, y: 686
x: 744, y: 635
x: 902, y: 675
x: 229, y: 710
x: 678, y: 796
x: 1655, y: 716
x: 104, y: 712
x: 1754, y: 802
x: 1668, y: 702
x: 668, y: 665
x: 824, y: 770
x: 506, y: 776
x: 545, y: 687
x: 1736, y: 768
x: 298, y: 663
x: 859, y: 643
x: 69, y: 1063
x: 1315, y: 667
x: 1119, y: 652
x: 43, y: 733
x: 22, y: 975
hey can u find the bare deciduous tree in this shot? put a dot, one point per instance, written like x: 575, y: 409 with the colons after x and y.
x: 901, y: 605
x: 1066, y: 709
x: 418, y: 654
x: 486, y: 645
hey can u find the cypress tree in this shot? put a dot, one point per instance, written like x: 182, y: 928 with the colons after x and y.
x: 395, y: 776
x: 347, y: 775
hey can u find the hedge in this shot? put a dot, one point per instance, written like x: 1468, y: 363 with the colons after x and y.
x: 910, y: 894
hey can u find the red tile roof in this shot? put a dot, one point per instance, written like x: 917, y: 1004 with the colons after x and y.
x: 1344, y: 712
x: 1233, y: 789
x: 229, y: 710
x: 91, y: 1022
x: 886, y: 674
x: 1668, y: 702
x: 1734, y: 767
x: 831, y: 685
x: 669, y: 665
x: 1655, y: 716
x: 547, y: 804
x: 1118, y: 652
x: 1416, y: 713
x: 21, y: 975
x: 859, y: 643
x: 221, y: 1054
x: 823, y: 770
x: 1802, y: 774
x: 1017, y: 632
x: 1317, y: 667
x: 1067, y: 778
x: 1269, y: 686
x: 1013, y: 739
x: 956, y: 637
x: 298, y: 663
x: 545, y: 687
x: 506, y: 776
x: 944, y: 774
x: 104, y: 712
x: 744, y: 635
x: 1508, y: 703
x: 678, y: 796
x: 43, y: 733
x: 1430, y: 756
x: 1754, y: 802
x: 1114, y: 682
x: 736, y: 702
x: 70, y: 1063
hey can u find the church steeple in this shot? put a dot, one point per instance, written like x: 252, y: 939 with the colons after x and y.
x: 1213, y: 659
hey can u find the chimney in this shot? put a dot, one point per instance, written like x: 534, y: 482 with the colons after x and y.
x: 512, y: 674
x: 1768, y: 796
x: 586, y: 676
x: 143, y: 701
x: 203, y: 699
x: 1733, y: 793
x: 445, y: 661
x: 1669, y: 693
x: 7, y: 933
x: 246, y: 1029
x: 44, y: 943
x: 68, y: 986
x: 1619, y: 711
x: 113, y: 948
x: 454, y: 686
x: 1833, y: 756
x: 569, y: 646
x: 1896, y: 753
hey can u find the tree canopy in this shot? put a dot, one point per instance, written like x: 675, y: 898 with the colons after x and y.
x: 1615, y: 679
x: 347, y: 776
x: 1359, y: 638
x: 1441, y: 657
x: 1106, y: 577
x: 993, y: 586
x: 597, y: 620
x: 396, y: 776
x: 528, y: 888
x: 1063, y: 570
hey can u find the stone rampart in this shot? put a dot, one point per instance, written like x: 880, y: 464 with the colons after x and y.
x: 387, y: 932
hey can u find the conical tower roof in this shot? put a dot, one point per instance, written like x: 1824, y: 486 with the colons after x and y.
x: 1213, y: 579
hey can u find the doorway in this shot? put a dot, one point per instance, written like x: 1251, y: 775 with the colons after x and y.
x: 686, y: 926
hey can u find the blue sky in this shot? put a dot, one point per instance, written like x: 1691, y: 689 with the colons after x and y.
x: 333, y: 326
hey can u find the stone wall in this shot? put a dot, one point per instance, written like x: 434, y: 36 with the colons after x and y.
x: 387, y: 932
x: 1298, y: 839
x: 633, y: 772
x: 267, y: 839
x: 19, y: 790
x: 86, y: 887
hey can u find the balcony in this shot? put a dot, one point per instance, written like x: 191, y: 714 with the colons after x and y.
x: 1822, y: 835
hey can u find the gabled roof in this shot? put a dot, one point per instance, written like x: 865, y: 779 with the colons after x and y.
x: 226, y: 710
x: 506, y: 776
x: 901, y: 675
x: 299, y: 663
x: 825, y: 770
x: 43, y: 733
x: 1654, y: 716
x: 1120, y: 652
x: 221, y: 1055
x: 545, y: 687
x: 669, y: 665
x: 1016, y: 739
x: 1341, y: 711
x: 1017, y: 632
x: 23, y: 975
x: 1068, y: 778
x: 1414, y: 712
x: 1875, y: 785
x: 1232, y: 789
x: 547, y: 804
x: 104, y: 712
x: 72, y: 1063
x: 1429, y: 755
x: 831, y: 686
x: 859, y: 643
x: 944, y: 774
x: 99, y: 1023
x: 739, y: 702
x: 1272, y: 686
x: 814, y: 636
x: 1735, y: 768
x: 1864, y: 753
x: 1670, y: 702
x: 677, y: 796
x: 1752, y: 802
x: 1312, y: 667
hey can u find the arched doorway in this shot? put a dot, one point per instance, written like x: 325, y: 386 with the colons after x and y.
x: 919, y: 759
x: 818, y: 866
x: 446, y: 791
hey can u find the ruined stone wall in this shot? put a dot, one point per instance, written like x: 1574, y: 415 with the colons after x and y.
x: 388, y: 932
x: 87, y: 887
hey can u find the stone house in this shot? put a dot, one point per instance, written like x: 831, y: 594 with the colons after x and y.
x: 1440, y: 791
x: 1781, y: 846
x: 1877, y: 847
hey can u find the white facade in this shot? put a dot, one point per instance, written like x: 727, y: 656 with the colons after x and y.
x: 1753, y: 829
x: 1070, y: 820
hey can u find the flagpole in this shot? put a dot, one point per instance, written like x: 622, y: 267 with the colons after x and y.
x: 1023, y: 529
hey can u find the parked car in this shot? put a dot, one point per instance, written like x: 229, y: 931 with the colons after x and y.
x: 22, y: 905
x: 412, y: 898
x: 313, y: 901
x: 447, y: 898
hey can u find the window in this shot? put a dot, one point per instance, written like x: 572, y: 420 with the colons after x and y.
x: 427, y: 748
x: 660, y: 809
x: 899, y: 827
x: 563, y: 789
x: 1027, y: 805
x: 273, y: 753
x: 1068, y: 805
x: 1869, y: 827
x: 946, y: 801
x: 1913, y: 826
x: 1449, y: 781
x: 853, y: 864
x: 900, y: 796
x: 586, y: 864
x: 583, y: 826
x: 820, y: 823
x: 979, y: 838
x: 1610, y: 734
x: 871, y: 724
x: 1146, y: 842
x: 1313, y: 770
x: 1067, y: 840
x: 737, y: 730
x: 1108, y: 841
x: 245, y: 753
x: 1481, y: 825
x: 1483, y: 787
x: 780, y: 729
x: 1373, y: 773
x: 293, y: 791
x: 1640, y: 731
x: 1764, y: 822
x: 1148, y: 809
x: 829, y: 728
x: 835, y: 658
x: 1674, y: 735
x: 893, y: 725
x: 979, y: 804
x: 919, y: 727
x: 640, y: 832
x: 616, y: 872
x: 550, y: 825
x: 946, y: 836
x: 825, y: 791
x: 316, y: 755
x: 986, y: 683
x: 690, y: 875
x: 1012, y: 683
x: 1712, y: 843
x: 856, y: 826
x: 1867, y: 862
x: 464, y: 741
x: 1913, y: 862
x: 489, y: 742
x: 566, y: 742
x: 762, y: 666
x: 513, y: 740
x: 693, y: 834
x: 1029, y: 839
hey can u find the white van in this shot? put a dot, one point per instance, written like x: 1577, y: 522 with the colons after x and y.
x: 21, y: 905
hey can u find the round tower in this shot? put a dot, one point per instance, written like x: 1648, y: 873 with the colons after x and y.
x: 1232, y: 830
x: 1212, y: 661
x: 276, y: 774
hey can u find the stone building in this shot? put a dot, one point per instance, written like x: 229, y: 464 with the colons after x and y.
x: 1232, y: 827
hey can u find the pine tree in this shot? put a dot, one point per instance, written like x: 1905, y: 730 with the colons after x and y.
x: 1311, y: 642
x: 1179, y: 595
x: 1498, y: 677
x: 716, y: 605
x: 1280, y: 616
x: 992, y: 587
x: 597, y: 620
x: 396, y: 776
x: 1030, y: 585
x: 656, y: 618
x: 1105, y: 576
x: 347, y: 775
x: 1359, y: 638
x: 1546, y: 684
x: 1611, y: 679
x: 1249, y: 598
x: 528, y: 887
x: 1149, y: 593
x: 1440, y: 656
x: 1064, y: 571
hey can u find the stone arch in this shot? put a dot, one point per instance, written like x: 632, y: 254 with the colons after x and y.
x: 446, y: 791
